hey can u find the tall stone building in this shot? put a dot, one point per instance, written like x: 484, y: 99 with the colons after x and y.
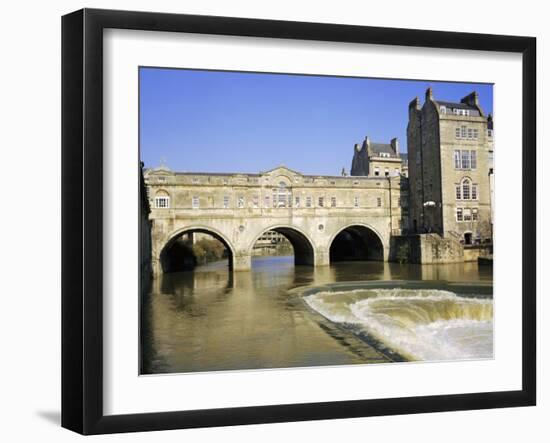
x: 450, y: 150
x: 377, y: 159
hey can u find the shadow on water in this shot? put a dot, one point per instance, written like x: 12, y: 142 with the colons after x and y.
x: 213, y: 319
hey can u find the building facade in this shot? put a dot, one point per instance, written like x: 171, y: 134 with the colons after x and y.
x: 378, y: 159
x: 310, y: 210
x: 450, y: 153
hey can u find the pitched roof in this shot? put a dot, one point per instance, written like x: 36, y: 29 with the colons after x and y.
x: 452, y: 105
x: 456, y: 105
x: 382, y: 147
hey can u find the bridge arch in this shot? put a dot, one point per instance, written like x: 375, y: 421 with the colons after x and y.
x: 167, y: 255
x: 304, y: 249
x: 356, y: 241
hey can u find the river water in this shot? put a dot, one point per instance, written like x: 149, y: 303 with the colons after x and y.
x: 212, y: 319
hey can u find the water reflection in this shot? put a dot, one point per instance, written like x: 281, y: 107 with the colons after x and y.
x: 213, y: 319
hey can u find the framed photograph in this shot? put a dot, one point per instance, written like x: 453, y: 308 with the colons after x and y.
x: 269, y: 221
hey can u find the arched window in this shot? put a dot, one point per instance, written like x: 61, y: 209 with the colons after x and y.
x: 283, y: 196
x: 162, y: 199
x: 466, y: 189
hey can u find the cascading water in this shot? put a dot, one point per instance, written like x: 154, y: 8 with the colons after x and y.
x: 419, y: 324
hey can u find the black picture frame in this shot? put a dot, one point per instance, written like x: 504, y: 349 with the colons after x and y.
x: 82, y: 218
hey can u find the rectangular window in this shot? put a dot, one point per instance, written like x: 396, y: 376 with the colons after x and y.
x: 379, y: 202
x: 321, y: 202
x: 474, y: 214
x: 476, y: 133
x: 297, y: 202
x: 473, y: 159
x: 465, y: 159
x: 356, y: 202
x: 459, y: 216
x: 308, y: 202
x: 240, y: 202
x: 457, y: 132
x: 463, y: 132
x: 255, y: 201
x: 162, y: 202
x: 467, y: 214
x: 457, y: 159
x: 474, y: 192
x: 266, y: 201
x: 466, y: 190
x: 226, y: 201
x: 195, y: 203
x: 458, y: 193
x: 470, y: 133
x: 333, y: 202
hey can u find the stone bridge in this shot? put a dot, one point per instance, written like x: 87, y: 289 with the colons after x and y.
x: 325, y: 218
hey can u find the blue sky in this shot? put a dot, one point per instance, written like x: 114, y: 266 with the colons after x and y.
x: 214, y: 121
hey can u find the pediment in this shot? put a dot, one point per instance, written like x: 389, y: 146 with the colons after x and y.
x: 282, y: 170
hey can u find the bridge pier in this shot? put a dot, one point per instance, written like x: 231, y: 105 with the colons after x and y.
x: 322, y: 258
x: 242, y: 262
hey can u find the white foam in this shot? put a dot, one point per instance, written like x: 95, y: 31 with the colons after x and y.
x: 420, y: 324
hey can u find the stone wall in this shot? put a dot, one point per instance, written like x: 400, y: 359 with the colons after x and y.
x: 426, y: 249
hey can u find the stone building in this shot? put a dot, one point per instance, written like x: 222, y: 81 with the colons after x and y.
x: 377, y: 159
x: 450, y: 151
x: 323, y: 217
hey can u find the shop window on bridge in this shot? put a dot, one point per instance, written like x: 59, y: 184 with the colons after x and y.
x: 162, y: 200
x: 308, y: 202
x: 297, y: 202
x: 379, y: 202
x: 240, y: 202
x: 195, y: 202
x: 333, y: 202
x: 355, y: 202
x: 321, y: 202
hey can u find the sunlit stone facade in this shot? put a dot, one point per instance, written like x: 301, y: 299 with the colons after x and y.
x: 239, y: 208
x: 450, y: 150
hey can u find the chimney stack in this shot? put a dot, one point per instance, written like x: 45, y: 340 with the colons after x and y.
x: 414, y: 104
x: 366, y: 142
x: 429, y: 94
x: 471, y: 99
x: 395, y: 145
